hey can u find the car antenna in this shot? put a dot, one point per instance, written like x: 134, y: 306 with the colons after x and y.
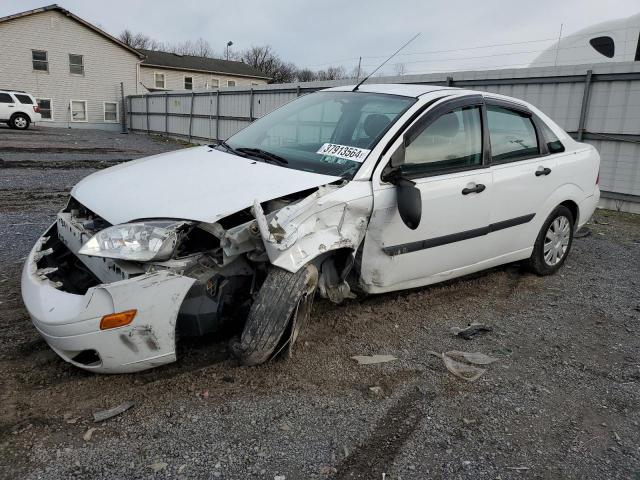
x: 355, y: 89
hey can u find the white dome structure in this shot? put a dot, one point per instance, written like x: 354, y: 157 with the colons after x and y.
x: 611, y: 41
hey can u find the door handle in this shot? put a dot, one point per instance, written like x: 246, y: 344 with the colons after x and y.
x: 477, y: 189
x: 543, y: 171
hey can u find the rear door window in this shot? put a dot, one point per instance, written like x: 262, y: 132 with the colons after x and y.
x: 24, y: 99
x: 6, y: 98
x: 512, y: 134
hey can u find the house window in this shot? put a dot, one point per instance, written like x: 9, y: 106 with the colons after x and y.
x: 215, y: 83
x: 45, y: 108
x: 40, y: 60
x: 78, y: 110
x: 231, y: 83
x: 158, y: 80
x: 76, y: 64
x: 110, y: 112
x: 188, y: 83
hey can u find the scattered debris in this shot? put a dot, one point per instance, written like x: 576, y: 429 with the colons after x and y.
x: 583, y: 232
x: 462, y: 364
x: 157, y: 466
x: 228, y: 378
x: 112, y: 412
x: 181, y: 468
x: 88, y: 434
x: 328, y: 470
x: 69, y: 418
x: 520, y: 469
x: 503, y: 351
x: 372, y: 359
x: 473, y: 330
x: 285, y: 427
x: 279, y: 477
x: 617, y: 437
x: 377, y: 391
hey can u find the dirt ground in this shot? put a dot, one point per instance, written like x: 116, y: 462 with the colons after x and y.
x: 562, y: 401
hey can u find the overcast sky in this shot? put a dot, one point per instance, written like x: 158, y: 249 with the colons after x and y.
x: 318, y: 34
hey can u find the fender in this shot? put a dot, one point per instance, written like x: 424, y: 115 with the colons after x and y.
x: 568, y: 191
x: 332, y: 218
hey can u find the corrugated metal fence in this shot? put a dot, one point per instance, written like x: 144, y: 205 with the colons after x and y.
x: 599, y: 104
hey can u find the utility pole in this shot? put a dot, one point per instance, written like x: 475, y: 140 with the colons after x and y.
x: 555, y: 62
x: 359, y: 64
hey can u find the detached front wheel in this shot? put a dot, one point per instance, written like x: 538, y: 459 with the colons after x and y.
x: 282, y: 305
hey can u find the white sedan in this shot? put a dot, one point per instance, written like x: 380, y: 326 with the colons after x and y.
x: 369, y: 189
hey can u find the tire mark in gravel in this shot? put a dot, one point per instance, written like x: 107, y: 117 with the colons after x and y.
x: 15, y: 199
x: 62, y: 164
x: 376, y: 455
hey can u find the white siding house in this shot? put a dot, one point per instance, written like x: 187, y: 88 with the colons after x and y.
x: 73, y: 68
x: 170, y: 71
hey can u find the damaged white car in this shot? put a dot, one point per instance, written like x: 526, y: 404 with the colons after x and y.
x: 346, y: 190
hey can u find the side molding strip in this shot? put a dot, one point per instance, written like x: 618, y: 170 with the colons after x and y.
x: 456, y: 237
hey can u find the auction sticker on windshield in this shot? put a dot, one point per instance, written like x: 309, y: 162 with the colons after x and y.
x: 344, y: 151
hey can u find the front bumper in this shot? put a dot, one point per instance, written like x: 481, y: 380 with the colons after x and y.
x: 70, y: 323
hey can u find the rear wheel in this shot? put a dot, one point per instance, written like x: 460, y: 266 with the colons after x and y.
x: 19, y: 121
x: 282, y: 305
x: 553, y: 243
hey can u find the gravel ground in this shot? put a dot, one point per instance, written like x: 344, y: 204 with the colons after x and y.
x: 562, y: 401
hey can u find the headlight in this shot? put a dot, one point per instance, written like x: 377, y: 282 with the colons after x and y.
x: 139, y: 242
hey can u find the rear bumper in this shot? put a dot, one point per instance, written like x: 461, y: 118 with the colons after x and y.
x: 70, y: 323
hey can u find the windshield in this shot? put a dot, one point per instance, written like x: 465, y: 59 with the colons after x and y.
x: 325, y: 132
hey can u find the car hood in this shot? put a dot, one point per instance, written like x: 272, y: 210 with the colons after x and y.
x: 199, y: 183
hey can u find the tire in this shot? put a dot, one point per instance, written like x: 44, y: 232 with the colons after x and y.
x: 557, y: 245
x: 19, y: 121
x: 272, y: 314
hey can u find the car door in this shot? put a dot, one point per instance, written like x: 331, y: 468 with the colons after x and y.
x: 7, y: 106
x: 523, y: 176
x: 443, y: 153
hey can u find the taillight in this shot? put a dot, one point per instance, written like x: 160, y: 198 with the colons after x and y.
x: 36, y: 108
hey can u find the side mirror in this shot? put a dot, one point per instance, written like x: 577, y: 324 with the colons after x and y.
x: 409, y: 198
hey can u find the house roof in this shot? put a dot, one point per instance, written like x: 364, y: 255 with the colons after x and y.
x: 175, y: 61
x: 58, y: 8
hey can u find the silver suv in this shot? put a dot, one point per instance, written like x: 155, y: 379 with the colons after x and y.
x: 18, y: 109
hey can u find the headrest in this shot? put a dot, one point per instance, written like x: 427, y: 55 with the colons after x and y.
x: 374, y: 124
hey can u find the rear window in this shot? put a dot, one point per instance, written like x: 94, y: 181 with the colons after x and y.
x: 24, y: 99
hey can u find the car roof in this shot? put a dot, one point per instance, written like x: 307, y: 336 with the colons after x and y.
x: 407, y: 90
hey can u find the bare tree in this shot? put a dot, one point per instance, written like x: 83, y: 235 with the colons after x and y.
x: 263, y: 58
x: 199, y: 48
x: 139, y: 41
x: 332, y: 73
x: 400, y: 69
x: 306, y: 75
